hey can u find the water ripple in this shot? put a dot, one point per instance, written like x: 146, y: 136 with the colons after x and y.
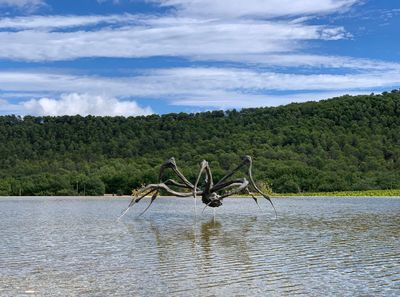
x: 75, y: 247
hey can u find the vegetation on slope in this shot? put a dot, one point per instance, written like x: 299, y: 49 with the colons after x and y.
x: 342, y: 144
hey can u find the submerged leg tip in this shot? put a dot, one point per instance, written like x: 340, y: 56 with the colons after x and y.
x: 123, y: 213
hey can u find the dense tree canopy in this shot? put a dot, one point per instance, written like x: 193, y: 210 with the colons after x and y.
x: 346, y: 143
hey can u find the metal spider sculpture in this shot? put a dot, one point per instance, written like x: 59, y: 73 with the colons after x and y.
x: 211, y: 195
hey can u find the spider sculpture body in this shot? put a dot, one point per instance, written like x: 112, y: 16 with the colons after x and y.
x: 212, y: 194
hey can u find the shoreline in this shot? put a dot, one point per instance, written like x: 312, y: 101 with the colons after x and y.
x: 231, y: 197
x: 338, y: 194
x: 344, y: 194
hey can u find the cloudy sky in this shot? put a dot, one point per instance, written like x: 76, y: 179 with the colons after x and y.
x: 137, y: 57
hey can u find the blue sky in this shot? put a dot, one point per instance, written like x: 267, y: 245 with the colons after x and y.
x: 137, y: 57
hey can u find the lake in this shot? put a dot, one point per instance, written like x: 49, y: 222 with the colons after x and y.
x: 316, y: 247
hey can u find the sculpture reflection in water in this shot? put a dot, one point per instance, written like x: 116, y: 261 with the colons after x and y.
x: 212, y: 194
x: 201, y: 247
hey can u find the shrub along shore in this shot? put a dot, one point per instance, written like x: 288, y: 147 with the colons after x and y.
x: 368, y: 193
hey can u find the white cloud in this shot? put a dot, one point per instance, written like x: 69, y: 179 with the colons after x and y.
x: 195, y: 32
x: 231, y: 100
x: 219, y: 87
x: 8, y: 108
x: 233, y: 78
x: 27, y: 4
x: 317, y: 62
x: 261, y: 8
x: 65, y: 21
x: 259, y: 35
x: 83, y: 104
x: 113, y: 1
x: 162, y: 37
x: 180, y: 81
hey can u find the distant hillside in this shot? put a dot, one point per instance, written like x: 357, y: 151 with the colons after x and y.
x: 346, y: 143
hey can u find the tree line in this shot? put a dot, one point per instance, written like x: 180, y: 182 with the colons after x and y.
x: 345, y: 143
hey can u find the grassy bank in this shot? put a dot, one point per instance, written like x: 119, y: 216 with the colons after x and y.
x: 365, y: 193
x: 391, y: 192
x: 375, y: 193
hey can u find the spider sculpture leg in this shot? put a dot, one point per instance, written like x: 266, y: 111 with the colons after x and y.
x: 238, y: 184
x: 247, y: 161
x: 204, y: 167
x: 224, y: 185
x: 154, y: 189
x: 163, y: 186
x: 254, y: 197
x: 170, y: 163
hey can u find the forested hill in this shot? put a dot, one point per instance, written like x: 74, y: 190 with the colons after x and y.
x: 346, y: 143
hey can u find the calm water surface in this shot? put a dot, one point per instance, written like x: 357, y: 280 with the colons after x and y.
x: 316, y: 247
